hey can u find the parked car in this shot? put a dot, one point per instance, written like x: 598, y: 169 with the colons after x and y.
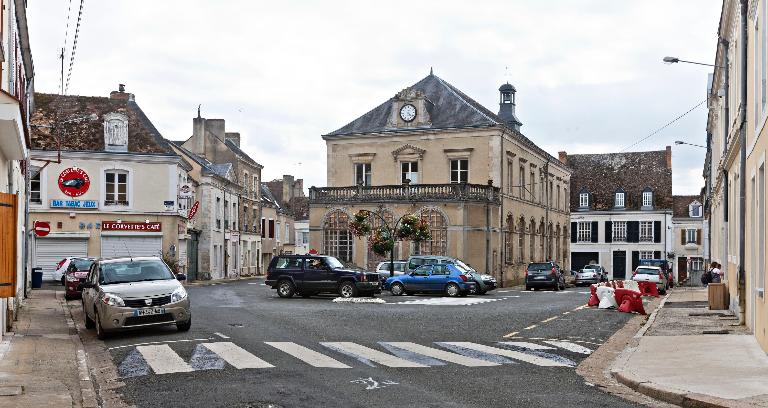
x: 591, y: 274
x: 665, y: 266
x: 382, y: 269
x: 128, y: 293
x: 435, y: 278
x: 544, y: 275
x: 484, y: 282
x: 651, y: 274
x: 309, y: 275
x: 76, y: 273
x: 61, y: 269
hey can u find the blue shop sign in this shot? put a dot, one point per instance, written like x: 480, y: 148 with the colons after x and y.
x: 74, y: 204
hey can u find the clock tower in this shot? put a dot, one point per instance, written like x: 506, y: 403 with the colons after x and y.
x: 410, y: 109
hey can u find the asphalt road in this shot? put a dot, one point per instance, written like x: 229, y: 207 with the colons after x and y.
x: 249, y: 348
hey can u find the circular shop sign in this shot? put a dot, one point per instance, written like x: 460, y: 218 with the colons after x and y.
x: 74, y: 182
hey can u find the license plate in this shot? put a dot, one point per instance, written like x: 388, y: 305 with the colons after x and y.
x: 149, y: 311
x: 540, y: 277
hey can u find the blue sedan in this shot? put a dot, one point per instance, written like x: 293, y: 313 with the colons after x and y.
x: 438, y: 278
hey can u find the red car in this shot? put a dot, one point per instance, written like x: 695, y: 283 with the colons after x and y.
x: 75, y: 274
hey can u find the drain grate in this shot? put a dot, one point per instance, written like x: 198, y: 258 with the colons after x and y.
x: 686, y: 305
x: 721, y: 331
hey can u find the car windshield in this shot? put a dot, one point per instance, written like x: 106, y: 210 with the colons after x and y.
x: 82, y: 264
x: 134, y: 271
x: 333, y: 262
x: 653, y: 262
x: 464, y: 267
x: 647, y: 271
x: 539, y: 266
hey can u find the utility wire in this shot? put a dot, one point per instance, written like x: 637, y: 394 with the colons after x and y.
x: 74, y: 45
x: 64, y: 47
x: 663, y: 127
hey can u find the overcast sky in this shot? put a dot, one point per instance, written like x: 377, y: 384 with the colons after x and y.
x: 589, y: 74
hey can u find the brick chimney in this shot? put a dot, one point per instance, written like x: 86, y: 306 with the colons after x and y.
x: 669, y: 157
x: 121, y: 95
x: 563, y: 156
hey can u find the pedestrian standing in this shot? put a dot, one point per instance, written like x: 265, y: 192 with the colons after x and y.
x: 716, y: 273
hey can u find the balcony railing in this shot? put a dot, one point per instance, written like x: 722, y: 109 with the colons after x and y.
x: 399, y: 193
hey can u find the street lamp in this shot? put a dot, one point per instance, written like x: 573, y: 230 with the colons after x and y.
x: 675, y: 60
x: 680, y: 142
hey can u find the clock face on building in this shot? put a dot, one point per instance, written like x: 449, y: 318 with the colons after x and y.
x: 408, y: 112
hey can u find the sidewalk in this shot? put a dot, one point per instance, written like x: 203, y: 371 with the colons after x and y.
x: 672, y: 359
x: 42, y: 363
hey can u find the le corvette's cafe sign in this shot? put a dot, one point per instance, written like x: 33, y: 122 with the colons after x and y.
x: 131, y: 226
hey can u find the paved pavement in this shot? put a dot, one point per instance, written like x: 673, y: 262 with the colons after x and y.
x: 247, y: 347
x: 673, y: 360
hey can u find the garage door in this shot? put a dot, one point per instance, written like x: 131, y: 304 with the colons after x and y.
x: 579, y: 259
x: 49, y: 251
x: 114, y: 246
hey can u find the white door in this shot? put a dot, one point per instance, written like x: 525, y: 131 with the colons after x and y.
x: 49, y: 251
x: 121, y: 245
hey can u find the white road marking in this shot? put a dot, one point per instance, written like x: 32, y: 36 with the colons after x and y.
x: 446, y: 301
x: 529, y: 327
x: 526, y: 345
x: 567, y: 345
x: 540, y: 361
x: 442, y: 355
x: 503, y: 291
x: 255, y: 283
x: 236, y: 356
x: 306, y: 355
x: 158, y: 342
x: 513, y: 334
x: 370, y: 354
x: 550, y: 319
x: 163, y: 360
x: 221, y: 335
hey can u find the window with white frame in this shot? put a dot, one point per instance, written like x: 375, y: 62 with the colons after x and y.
x: 646, y: 254
x: 255, y: 186
x: 697, y: 264
x: 305, y: 237
x: 619, y: 231
x: 647, y: 198
x: 409, y: 172
x: 619, y: 200
x: 584, y: 200
x: 287, y: 231
x: 690, y: 236
x: 35, y: 196
x: 646, y: 231
x: 277, y: 231
x: 363, y: 174
x: 116, y: 187
x: 694, y: 210
x: 584, y: 231
x: 459, y: 171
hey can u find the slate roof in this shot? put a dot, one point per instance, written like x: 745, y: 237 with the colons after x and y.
x: 603, y: 174
x: 88, y: 135
x: 448, y: 108
x: 240, y: 153
x: 208, y: 167
x: 680, y: 205
x: 267, y: 196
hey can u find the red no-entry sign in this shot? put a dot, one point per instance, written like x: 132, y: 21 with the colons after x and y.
x: 42, y: 228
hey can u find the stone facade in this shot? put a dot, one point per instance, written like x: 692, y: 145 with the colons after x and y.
x: 689, y: 234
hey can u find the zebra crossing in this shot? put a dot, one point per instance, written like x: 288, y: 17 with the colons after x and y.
x: 162, y: 359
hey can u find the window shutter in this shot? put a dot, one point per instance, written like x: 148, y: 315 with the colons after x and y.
x: 633, y: 231
x: 657, y: 231
x: 573, y: 232
x: 682, y: 237
x: 595, y: 226
x: 635, y: 260
x: 608, y: 231
x: 698, y: 237
x: 656, y: 254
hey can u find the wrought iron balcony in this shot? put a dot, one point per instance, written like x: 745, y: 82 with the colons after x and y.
x: 405, y: 193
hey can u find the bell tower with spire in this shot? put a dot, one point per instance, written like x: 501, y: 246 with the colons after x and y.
x: 507, y: 106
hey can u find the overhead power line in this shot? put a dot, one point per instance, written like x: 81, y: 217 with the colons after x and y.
x: 664, y: 127
x: 74, y: 45
x: 64, y: 46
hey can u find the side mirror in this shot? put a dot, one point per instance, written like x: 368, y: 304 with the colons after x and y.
x: 181, y: 276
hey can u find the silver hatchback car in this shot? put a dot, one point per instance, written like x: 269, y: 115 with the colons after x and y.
x: 127, y: 293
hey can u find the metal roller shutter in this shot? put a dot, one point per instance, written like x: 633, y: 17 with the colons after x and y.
x: 49, y: 251
x: 114, y: 246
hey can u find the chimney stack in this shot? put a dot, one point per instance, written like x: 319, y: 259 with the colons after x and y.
x: 121, y: 95
x: 669, y: 157
x: 563, y: 156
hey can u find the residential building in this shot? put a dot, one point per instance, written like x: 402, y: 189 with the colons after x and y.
x: 16, y: 101
x: 302, y: 237
x: 277, y: 227
x: 689, y: 237
x: 104, y: 179
x: 621, y: 209
x: 489, y: 194
x: 230, y: 200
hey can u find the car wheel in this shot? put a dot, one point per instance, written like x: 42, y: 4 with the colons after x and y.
x: 452, y: 290
x: 473, y: 290
x: 285, y: 289
x: 100, y: 333
x: 397, y: 289
x: 89, y: 323
x: 182, y: 327
x: 347, y: 290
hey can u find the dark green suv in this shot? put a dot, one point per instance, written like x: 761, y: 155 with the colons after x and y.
x: 309, y: 275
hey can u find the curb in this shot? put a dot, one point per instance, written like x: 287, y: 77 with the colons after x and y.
x: 222, y: 281
x: 87, y: 389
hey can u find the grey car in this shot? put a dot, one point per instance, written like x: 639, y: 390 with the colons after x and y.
x: 128, y: 293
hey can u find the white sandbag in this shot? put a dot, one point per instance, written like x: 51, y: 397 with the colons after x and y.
x: 631, y: 285
x: 607, y: 298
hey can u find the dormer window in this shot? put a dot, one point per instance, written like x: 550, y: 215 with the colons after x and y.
x: 619, y: 199
x: 695, y: 209
x: 647, y: 198
x: 115, y: 132
x: 584, y: 199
